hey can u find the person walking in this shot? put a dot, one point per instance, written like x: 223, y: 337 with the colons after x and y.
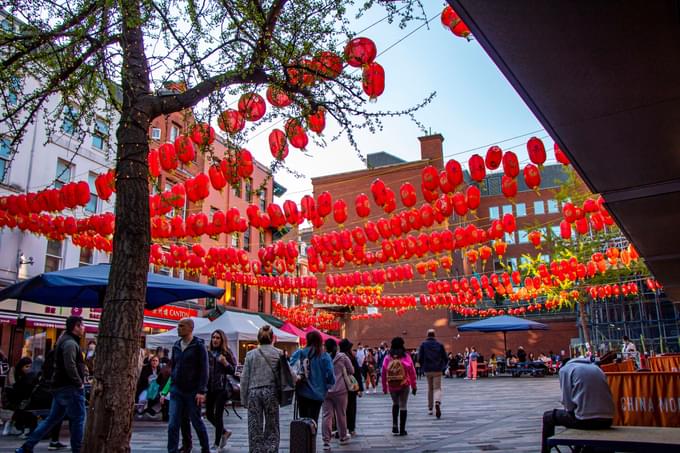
x: 335, y: 403
x: 382, y: 353
x: 221, y: 364
x: 433, y: 360
x: 68, y: 389
x: 189, y: 385
x: 398, y: 374
x: 371, y: 374
x: 346, y: 348
x: 472, y: 369
x: 259, y: 393
x: 316, y: 373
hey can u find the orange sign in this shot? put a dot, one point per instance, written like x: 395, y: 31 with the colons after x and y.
x: 171, y: 312
x: 665, y: 363
x: 646, y: 399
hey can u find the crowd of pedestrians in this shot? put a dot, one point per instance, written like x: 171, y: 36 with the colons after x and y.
x: 327, y: 380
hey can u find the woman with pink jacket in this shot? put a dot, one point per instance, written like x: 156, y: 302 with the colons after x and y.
x: 398, y: 375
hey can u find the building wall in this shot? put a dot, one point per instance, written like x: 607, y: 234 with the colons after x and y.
x: 413, y: 326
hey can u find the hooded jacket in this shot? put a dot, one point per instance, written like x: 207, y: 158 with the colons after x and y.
x: 190, y: 367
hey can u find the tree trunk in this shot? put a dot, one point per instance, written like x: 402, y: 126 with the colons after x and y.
x: 109, y: 418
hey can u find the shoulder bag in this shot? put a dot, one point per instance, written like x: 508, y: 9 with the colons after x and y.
x: 284, y: 380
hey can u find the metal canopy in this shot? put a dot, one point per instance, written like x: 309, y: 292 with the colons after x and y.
x: 604, y: 79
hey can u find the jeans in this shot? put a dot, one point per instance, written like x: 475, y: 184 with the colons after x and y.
x: 560, y: 417
x: 183, y: 406
x: 67, y: 402
x: 214, y: 411
x: 434, y: 388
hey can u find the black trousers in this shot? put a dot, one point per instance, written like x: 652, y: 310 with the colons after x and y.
x: 214, y: 410
x: 560, y: 417
x: 308, y: 408
x: 351, y: 411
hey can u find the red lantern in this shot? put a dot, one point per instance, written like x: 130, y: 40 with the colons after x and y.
x: 373, y: 80
x: 217, y: 178
x: 477, y: 168
x: 362, y: 205
x: 430, y: 177
x: 494, y: 155
x: 509, y: 186
x: 452, y: 21
x: 536, y: 151
x: 245, y: 163
x: 408, y: 194
x: 296, y: 134
x: 202, y: 134
x: 340, y: 211
x: 167, y: 156
x: 582, y: 226
x: 359, y: 52
x: 308, y: 205
x: 277, y: 97
x: 154, y: 163
x: 532, y: 176
x: 290, y: 209
x: 379, y: 192
x: 328, y: 64
x: 317, y: 121
x: 535, y: 238
x: 454, y: 172
x: 500, y: 248
x: 185, y: 149
x: 565, y: 230
x: 509, y: 224
x: 459, y: 204
x: 474, y: 197
x: 324, y: 204
x: 278, y: 145
x: 560, y: 156
x: 252, y: 106
x: 510, y: 164
x: 231, y: 121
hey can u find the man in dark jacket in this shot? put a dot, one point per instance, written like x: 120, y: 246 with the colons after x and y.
x: 432, y: 356
x: 68, y: 389
x: 189, y: 385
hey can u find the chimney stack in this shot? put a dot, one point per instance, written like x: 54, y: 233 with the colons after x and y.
x: 431, y: 148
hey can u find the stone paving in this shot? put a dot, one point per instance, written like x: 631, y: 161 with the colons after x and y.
x: 491, y: 414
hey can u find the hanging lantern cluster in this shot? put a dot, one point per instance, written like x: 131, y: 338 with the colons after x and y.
x: 390, y: 274
x: 366, y: 316
x: 69, y: 196
x: 304, y: 315
x: 591, y: 214
x: 360, y: 53
x: 602, y: 292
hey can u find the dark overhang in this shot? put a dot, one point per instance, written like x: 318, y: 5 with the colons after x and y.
x: 603, y: 77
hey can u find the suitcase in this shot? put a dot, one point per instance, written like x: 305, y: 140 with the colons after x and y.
x: 302, y: 434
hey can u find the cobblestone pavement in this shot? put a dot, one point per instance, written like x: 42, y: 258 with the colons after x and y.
x: 491, y: 414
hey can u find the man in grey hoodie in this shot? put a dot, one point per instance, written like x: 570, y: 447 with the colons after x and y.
x: 586, y: 397
x: 68, y: 389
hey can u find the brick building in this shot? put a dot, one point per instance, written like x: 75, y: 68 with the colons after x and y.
x: 532, y: 210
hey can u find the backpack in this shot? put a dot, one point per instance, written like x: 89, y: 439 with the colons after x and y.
x: 396, y: 373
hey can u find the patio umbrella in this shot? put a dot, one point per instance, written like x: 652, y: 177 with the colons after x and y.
x: 503, y: 324
x: 86, y: 286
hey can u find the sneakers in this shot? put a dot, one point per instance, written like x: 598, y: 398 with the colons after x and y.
x: 56, y: 446
x: 438, y: 410
x: 344, y: 440
x: 353, y: 433
x: 225, y: 437
x: 326, y: 446
x: 429, y: 412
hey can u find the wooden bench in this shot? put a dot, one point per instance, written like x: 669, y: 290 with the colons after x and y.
x: 621, y: 438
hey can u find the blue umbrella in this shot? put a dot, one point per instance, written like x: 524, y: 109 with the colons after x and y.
x: 503, y: 323
x: 86, y: 286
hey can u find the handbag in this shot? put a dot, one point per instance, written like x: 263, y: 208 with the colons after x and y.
x: 285, y: 383
x: 152, y: 391
x: 350, y: 381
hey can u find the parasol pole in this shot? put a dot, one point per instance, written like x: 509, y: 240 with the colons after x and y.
x: 505, y: 343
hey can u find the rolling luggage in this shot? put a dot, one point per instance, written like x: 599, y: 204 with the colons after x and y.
x: 302, y: 433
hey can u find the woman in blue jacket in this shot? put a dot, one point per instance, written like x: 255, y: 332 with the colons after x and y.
x: 316, y: 374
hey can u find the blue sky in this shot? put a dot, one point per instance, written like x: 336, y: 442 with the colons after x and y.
x: 475, y: 105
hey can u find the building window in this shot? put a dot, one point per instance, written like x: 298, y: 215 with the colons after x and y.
x: 523, y: 236
x: 155, y: 133
x: 262, y: 239
x: 53, y: 256
x: 68, y: 125
x: 545, y: 258
x: 555, y: 231
x: 249, y: 190
x: 237, y: 188
x: 263, y: 200
x: 174, y: 132
x: 86, y: 257
x: 13, y: 91
x: 92, y: 204
x: 245, y: 297
x: 63, y: 176
x: 512, y: 262
x: 507, y: 209
x: 234, y: 239
x: 260, y: 301
x: 6, y: 25
x: 510, y: 238
x: 521, y: 209
x: 539, y: 207
x: 493, y: 213
x: 552, y: 207
x: 246, y: 240
x: 100, y: 134
x: 5, y: 157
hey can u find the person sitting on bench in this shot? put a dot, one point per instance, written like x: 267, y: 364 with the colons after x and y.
x: 586, y: 398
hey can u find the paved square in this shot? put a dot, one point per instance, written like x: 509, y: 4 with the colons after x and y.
x: 491, y: 414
